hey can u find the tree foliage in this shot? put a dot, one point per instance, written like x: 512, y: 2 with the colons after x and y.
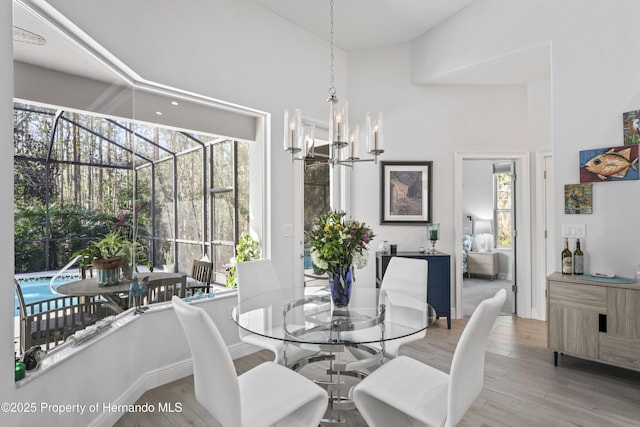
x: 95, y: 174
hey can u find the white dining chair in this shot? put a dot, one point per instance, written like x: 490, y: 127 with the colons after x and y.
x: 405, y: 391
x: 266, y: 395
x: 254, y: 278
x: 405, y: 276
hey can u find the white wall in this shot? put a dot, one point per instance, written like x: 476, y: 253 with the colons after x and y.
x: 593, y: 79
x: 540, y: 136
x: 426, y: 122
x: 478, y: 189
x: 117, y: 367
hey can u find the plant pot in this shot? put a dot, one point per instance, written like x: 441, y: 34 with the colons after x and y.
x: 107, y: 270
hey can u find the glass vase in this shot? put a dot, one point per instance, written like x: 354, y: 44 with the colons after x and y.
x: 433, y: 234
x: 340, y: 280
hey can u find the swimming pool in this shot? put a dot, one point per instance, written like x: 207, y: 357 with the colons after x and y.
x: 38, y: 289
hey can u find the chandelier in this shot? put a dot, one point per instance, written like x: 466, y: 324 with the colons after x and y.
x: 344, y: 139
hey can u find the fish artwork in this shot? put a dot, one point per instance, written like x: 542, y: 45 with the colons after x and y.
x: 612, y: 164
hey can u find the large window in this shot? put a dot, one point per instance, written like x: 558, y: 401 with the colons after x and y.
x: 503, y: 204
x: 181, y: 194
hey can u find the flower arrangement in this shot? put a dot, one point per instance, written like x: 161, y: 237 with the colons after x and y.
x: 338, y: 243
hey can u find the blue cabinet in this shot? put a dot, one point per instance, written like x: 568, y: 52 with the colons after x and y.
x: 438, y: 280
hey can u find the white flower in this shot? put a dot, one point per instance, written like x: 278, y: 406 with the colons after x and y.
x: 360, y: 258
x: 319, y: 262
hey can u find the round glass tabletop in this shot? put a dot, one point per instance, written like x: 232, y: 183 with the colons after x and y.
x: 307, y: 315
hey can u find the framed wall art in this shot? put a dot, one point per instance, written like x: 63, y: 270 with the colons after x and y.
x: 609, y: 164
x: 631, y: 127
x: 578, y: 199
x: 406, y: 192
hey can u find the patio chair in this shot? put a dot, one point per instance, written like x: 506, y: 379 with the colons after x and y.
x: 163, y: 289
x: 201, y: 274
x: 49, y: 322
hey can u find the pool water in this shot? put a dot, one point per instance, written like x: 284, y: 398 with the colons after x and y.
x: 38, y: 289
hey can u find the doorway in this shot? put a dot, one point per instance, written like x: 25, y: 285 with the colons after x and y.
x: 489, y: 232
x: 497, y: 263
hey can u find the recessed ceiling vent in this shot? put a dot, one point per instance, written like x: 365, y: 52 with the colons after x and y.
x: 24, y: 36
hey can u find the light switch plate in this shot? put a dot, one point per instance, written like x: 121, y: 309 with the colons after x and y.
x: 576, y: 231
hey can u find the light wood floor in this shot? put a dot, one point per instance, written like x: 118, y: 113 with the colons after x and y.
x: 522, y: 387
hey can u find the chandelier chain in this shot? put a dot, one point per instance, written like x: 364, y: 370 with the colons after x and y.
x: 332, y: 89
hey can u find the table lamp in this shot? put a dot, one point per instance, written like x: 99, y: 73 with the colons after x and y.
x: 482, y: 227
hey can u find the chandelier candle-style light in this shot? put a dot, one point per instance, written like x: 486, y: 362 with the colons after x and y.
x: 344, y: 139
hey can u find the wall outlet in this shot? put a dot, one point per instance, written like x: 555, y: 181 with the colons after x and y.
x: 287, y: 230
x: 576, y: 231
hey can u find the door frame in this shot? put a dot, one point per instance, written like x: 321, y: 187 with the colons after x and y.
x: 545, y: 250
x: 523, y: 239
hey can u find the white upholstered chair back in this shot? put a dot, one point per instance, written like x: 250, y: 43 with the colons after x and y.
x: 214, y: 375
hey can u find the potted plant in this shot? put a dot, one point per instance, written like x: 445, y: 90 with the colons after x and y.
x: 247, y: 249
x: 108, y: 258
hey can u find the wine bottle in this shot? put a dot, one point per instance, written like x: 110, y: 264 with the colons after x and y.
x: 578, y: 259
x: 567, y: 258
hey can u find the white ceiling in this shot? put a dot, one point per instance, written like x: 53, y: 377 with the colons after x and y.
x: 361, y: 24
x: 59, y: 52
x: 358, y: 24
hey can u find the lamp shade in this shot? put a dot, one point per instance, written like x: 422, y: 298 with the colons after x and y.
x: 308, y: 137
x: 293, y: 130
x: 339, y: 125
x: 375, y: 144
x: 354, y: 142
x: 482, y: 226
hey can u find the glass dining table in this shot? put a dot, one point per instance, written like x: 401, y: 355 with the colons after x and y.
x: 351, y: 339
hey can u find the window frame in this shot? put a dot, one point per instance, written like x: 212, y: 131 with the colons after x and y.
x: 501, y: 169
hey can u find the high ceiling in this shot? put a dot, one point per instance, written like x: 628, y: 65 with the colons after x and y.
x: 358, y: 24
x: 361, y: 24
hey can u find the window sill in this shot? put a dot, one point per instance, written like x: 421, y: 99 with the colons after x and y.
x: 67, y: 351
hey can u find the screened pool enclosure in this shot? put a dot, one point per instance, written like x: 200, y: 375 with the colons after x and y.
x: 182, y: 194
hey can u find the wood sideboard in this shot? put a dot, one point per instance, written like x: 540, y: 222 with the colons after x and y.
x: 438, y: 278
x: 594, y: 320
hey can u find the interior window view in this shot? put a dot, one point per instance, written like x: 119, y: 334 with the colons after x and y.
x: 331, y: 212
